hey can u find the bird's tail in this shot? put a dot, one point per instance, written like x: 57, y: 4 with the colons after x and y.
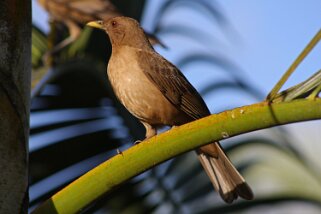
x: 223, y: 175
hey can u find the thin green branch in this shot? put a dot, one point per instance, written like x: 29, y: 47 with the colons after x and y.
x: 295, y: 64
x: 139, y: 158
x: 315, y: 92
x: 300, y: 89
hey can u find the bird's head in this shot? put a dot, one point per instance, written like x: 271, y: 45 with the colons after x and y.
x: 123, y: 31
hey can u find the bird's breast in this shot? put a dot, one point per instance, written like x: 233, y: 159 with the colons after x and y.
x: 137, y: 93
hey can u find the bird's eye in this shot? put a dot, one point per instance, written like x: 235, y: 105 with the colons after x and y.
x: 114, y: 23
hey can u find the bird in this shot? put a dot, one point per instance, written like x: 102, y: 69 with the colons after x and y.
x: 157, y: 93
x: 76, y: 13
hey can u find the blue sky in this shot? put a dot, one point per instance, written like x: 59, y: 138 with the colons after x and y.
x: 270, y: 35
x: 274, y: 33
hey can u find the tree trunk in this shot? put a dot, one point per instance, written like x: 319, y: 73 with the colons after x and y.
x: 15, y: 68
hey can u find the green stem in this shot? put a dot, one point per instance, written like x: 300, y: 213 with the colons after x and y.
x: 139, y: 158
x: 300, y: 89
x: 315, y: 92
x: 295, y: 64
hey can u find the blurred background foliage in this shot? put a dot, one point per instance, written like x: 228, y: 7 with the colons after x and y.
x: 76, y: 122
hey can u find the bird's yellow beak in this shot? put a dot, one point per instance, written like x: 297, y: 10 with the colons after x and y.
x: 95, y: 24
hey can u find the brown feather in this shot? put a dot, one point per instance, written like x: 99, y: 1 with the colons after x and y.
x: 226, y: 179
x: 172, y: 83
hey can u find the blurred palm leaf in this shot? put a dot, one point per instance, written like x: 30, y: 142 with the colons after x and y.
x: 39, y: 46
x: 76, y: 116
x: 301, y: 90
x: 211, y: 10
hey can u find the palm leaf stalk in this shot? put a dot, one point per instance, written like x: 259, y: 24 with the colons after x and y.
x: 112, y: 173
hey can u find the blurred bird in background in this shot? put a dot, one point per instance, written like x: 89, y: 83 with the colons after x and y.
x: 74, y: 14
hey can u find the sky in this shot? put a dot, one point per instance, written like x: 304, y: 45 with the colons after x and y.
x: 274, y: 33
x: 271, y: 35
x: 263, y: 39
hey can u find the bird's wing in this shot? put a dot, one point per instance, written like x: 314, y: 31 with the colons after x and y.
x: 172, y: 83
x: 80, y: 11
x: 94, y: 9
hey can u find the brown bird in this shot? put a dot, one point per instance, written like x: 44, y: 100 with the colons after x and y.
x: 76, y: 13
x: 158, y: 94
